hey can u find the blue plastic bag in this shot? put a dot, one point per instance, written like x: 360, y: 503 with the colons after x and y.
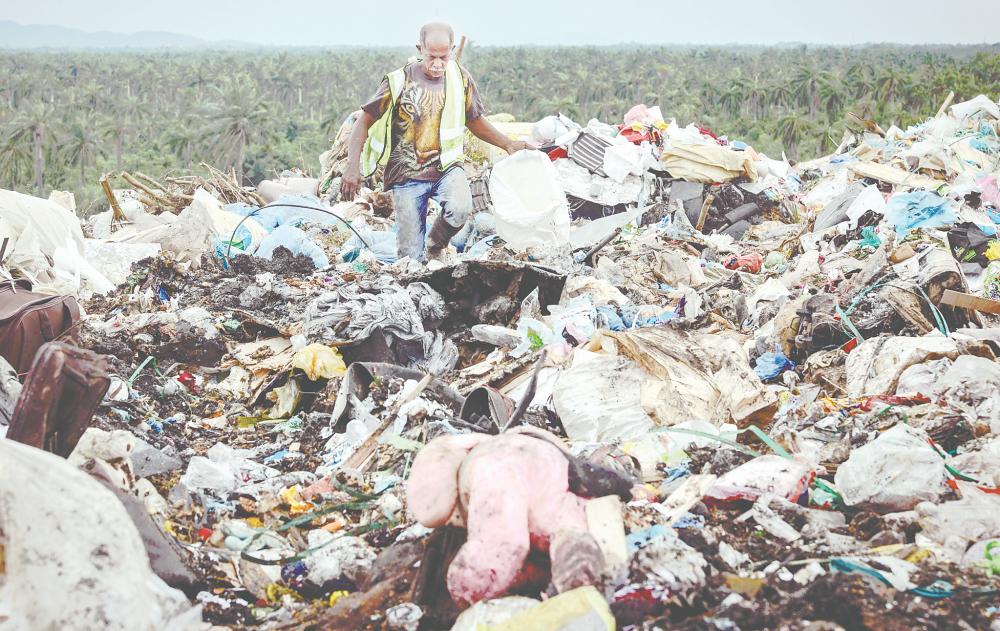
x: 918, y: 209
x: 770, y: 365
x: 381, y: 242
x: 297, y: 241
x: 280, y: 214
x: 608, y: 317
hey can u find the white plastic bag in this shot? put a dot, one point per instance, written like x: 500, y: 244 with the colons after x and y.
x: 65, y: 534
x: 894, y: 472
x: 34, y: 229
x: 598, y: 398
x: 766, y: 475
x: 528, y: 201
x: 68, y: 261
x: 115, y: 260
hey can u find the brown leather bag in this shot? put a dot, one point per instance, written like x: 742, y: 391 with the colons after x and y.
x: 59, y: 398
x: 29, y: 319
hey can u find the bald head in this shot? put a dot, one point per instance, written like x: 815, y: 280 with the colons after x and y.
x: 436, y: 31
x: 436, y: 40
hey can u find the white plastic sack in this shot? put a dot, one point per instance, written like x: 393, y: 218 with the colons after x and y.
x: 224, y: 469
x: 35, y: 228
x: 528, y: 201
x: 981, y: 103
x: 554, y: 130
x: 69, y: 262
x: 74, y: 559
x: 600, y: 291
x: 972, y: 384
x: 196, y: 228
x: 921, y: 378
x: 577, y: 181
x: 622, y: 159
x: 598, y: 398
x: 974, y: 517
x: 875, y: 366
x: 894, y: 472
x: 983, y: 464
x: 826, y: 190
x: 592, y: 232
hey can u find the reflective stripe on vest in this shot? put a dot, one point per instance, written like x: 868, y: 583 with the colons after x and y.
x: 453, y: 117
x: 378, y: 145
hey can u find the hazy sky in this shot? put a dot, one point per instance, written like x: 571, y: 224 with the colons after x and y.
x: 509, y: 22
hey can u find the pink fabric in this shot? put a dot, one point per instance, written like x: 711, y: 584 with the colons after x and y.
x: 512, y: 491
x: 990, y: 191
x: 638, y: 114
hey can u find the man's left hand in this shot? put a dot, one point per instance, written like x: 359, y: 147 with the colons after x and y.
x: 517, y: 145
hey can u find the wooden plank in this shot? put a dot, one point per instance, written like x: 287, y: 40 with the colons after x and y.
x: 703, y: 215
x: 970, y: 301
x: 892, y: 175
x: 367, y: 448
x: 944, y: 106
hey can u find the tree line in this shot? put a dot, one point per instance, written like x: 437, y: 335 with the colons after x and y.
x: 67, y: 117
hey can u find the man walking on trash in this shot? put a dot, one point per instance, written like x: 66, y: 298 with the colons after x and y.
x: 414, y: 126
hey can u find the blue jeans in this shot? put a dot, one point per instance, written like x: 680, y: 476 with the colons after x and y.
x: 410, y: 198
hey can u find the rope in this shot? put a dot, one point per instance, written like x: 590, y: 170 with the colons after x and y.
x: 229, y: 247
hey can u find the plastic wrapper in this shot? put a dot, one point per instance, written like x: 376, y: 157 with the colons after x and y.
x: 991, y: 281
x: 918, y: 209
x: 766, y: 475
x: 770, y: 365
x: 319, y: 362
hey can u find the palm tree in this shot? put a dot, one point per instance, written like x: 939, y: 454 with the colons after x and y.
x: 130, y: 111
x: 82, y: 144
x: 15, y: 162
x: 890, y: 83
x: 183, y: 139
x: 833, y: 95
x: 732, y: 100
x: 756, y: 94
x: 860, y: 80
x: 35, y: 125
x: 791, y: 128
x: 237, y: 121
x: 807, y: 84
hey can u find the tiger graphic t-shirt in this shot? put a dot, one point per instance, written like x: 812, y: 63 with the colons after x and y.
x: 416, y: 124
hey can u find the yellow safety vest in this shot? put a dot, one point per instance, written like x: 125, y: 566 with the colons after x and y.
x: 378, y: 145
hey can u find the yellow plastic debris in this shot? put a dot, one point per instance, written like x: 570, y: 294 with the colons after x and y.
x: 918, y: 555
x: 275, y: 593
x: 319, y: 362
x: 993, y: 252
x: 337, y: 595
x: 296, y: 505
x: 582, y: 608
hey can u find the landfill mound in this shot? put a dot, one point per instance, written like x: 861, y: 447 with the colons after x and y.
x: 663, y: 381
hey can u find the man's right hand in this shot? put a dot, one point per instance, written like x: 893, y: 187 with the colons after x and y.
x: 350, y: 183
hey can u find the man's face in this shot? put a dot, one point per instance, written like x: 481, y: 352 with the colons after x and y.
x: 435, y: 51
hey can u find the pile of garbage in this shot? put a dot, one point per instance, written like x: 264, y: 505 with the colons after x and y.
x: 663, y: 381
